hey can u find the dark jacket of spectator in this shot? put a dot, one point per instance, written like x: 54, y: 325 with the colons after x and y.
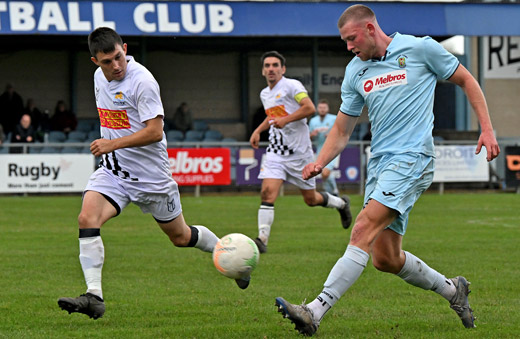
x: 11, y: 108
x: 24, y: 131
x: 182, y: 119
x: 63, y: 119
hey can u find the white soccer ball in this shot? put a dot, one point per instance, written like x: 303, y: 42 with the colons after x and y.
x: 235, y: 256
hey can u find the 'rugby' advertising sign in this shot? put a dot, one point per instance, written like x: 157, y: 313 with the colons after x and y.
x: 36, y: 173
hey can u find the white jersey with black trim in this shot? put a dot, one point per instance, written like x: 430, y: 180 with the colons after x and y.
x: 291, y: 141
x: 123, y: 107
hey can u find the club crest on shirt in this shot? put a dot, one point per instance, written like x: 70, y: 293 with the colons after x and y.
x: 119, y: 99
x: 401, y: 60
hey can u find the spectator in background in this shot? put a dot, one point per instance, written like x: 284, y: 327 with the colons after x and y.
x: 63, y: 119
x: 11, y: 108
x: 45, y: 123
x: 37, y: 118
x: 320, y: 125
x: 2, y: 135
x: 34, y: 112
x: 23, y: 132
x: 182, y: 119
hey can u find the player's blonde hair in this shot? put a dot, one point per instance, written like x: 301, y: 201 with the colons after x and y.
x: 356, y: 12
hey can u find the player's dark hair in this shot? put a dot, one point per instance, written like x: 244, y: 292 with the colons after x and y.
x: 323, y: 101
x: 273, y: 54
x: 103, y: 39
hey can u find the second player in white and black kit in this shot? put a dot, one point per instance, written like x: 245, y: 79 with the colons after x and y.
x: 287, y: 106
x: 134, y: 166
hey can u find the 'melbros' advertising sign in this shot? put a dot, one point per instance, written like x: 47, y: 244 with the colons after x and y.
x: 200, y: 166
x: 52, y: 173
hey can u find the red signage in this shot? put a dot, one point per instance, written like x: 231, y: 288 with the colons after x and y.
x: 200, y: 166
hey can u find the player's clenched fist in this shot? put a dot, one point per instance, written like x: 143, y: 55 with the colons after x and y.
x: 311, y: 170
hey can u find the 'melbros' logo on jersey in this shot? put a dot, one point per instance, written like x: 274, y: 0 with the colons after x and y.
x: 384, y: 81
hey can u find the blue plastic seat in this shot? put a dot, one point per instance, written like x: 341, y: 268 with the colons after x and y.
x: 200, y: 125
x: 212, y: 135
x: 84, y: 125
x: 71, y: 149
x: 77, y: 136
x: 174, y: 135
x: 192, y: 135
x: 57, y: 136
x: 93, y: 135
x: 50, y: 150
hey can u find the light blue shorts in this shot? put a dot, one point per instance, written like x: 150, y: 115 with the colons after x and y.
x: 397, y: 181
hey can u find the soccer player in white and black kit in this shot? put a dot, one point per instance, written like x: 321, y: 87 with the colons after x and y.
x: 287, y: 106
x: 134, y: 166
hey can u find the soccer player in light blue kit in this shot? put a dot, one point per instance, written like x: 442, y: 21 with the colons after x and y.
x: 320, y: 126
x: 395, y: 77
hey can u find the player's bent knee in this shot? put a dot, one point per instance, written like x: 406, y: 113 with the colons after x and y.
x: 88, y: 221
x: 385, y: 264
x: 311, y: 201
x: 179, y: 241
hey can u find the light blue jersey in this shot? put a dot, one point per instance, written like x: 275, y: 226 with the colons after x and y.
x: 323, y: 127
x: 398, y: 90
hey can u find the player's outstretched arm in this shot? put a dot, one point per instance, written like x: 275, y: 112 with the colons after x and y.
x: 336, y: 141
x: 153, y: 132
x: 463, y: 78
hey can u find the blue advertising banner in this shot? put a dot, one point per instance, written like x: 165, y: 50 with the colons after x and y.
x: 249, y: 162
x: 186, y: 18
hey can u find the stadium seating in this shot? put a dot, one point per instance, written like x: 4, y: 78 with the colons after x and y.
x: 93, y: 135
x: 212, y: 135
x: 77, y: 136
x: 57, y: 136
x: 193, y: 135
x: 50, y: 150
x: 200, y: 125
x: 34, y: 150
x: 174, y: 135
x: 71, y: 149
x: 84, y: 125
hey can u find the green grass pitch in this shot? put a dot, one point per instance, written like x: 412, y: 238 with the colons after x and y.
x: 154, y: 290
